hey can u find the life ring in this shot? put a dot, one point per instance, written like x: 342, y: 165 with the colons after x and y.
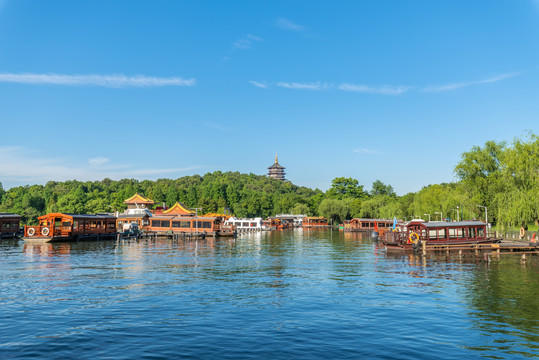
x: 45, y: 231
x: 31, y: 232
x: 522, y: 232
x: 413, y: 238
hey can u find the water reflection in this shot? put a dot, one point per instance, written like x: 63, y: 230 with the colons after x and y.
x: 284, y: 294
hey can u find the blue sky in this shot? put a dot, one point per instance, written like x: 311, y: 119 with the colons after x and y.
x: 382, y: 89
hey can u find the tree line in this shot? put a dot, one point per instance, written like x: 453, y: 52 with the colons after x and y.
x: 501, y: 177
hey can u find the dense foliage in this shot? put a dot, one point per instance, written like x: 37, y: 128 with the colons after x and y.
x: 503, y: 178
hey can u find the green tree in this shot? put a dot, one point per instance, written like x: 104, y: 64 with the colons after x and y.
x: 342, y: 188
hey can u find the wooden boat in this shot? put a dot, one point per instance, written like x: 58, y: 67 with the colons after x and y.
x: 69, y: 227
x: 367, y: 225
x: 416, y: 232
x: 314, y: 222
x: 9, y: 225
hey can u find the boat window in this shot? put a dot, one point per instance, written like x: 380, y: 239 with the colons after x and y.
x: 175, y: 224
x: 165, y: 223
x: 481, y: 232
x: 471, y: 232
x: 156, y: 223
x: 207, y: 224
x: 461, y: 233
x: 433, y: 234
x: 442, y: 234
x: 185, y: 224
x: 112, y: 225
x: 371, y: 225
x: 452, y: 233
x: 364, y: 224
x: 75, y: 225
x: 93, y: 224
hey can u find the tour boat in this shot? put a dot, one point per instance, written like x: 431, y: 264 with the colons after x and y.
x: 67, y: 227
x: 9, y: 225
x: 413, y: 234
x: 315, y: 222
x: 368, y: 225
x: 246, y: 225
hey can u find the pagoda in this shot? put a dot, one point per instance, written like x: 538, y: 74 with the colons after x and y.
x: 138, y: 201
x: 276, y: 171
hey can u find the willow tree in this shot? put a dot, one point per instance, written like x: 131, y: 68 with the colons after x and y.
x: 517, y: 199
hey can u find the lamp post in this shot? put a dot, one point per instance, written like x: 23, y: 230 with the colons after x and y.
x: 486, y: 213
x: 428, y: 215
x: 196, y: 217
x: 441, y: 215
x: 458, y: 217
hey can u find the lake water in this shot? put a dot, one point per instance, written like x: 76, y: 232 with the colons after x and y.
x: 279, y: 295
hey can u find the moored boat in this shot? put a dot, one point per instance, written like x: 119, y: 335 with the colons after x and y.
x: 9, y: 225
x: 69, y: 227
x: 417, y: 232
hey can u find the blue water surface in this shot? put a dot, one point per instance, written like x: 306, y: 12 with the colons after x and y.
x: 273, y: 295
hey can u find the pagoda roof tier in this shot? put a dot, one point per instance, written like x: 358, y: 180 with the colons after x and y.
x: 179, y: 209
x: 138, y: 199
x: 276, y: 166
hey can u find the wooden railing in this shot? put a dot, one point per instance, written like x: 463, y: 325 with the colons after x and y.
x: 33, y: 231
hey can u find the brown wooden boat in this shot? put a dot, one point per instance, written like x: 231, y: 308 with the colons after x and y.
x: 9, y: 225
x: 69, y: 227
x: 413, y: 234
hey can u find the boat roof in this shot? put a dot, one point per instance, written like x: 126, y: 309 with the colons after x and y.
x: 79, y: 216
x: 181, y: 217
x: 9, y: 215
x: 363, y: 219
x: 446, y: 224
x: 132, y: 216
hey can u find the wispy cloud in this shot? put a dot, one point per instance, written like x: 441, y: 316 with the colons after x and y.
x: 365, y: 151
x: 285, y: 24
x: 25, y: 166
x: 258, y: 84
x: 216, y: 126
x: 246, y: 42
x: 455, y: 86
x: 98, y: 161
x: 303, y: 86
x: 112, y: 81
x: 383, y: 90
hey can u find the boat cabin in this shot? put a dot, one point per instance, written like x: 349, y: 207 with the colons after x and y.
x: 314, y: 222
x: 65, y: 227
x: 244, y: 224
x: 9, y: 225
x: 368, y: 225
x: 440, y: 232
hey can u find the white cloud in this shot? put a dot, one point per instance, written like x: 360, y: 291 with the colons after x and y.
x: 365, y: 151
x: 24, y: 166
x: 455, y: 86
x: 216, y: 126
x: 112, y: 81
x: 98, y: 161
x: 383, y: 90
x: 258, y: 84
x: 303, y: 86
x: 246, y: 42
x: 286, y: 24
